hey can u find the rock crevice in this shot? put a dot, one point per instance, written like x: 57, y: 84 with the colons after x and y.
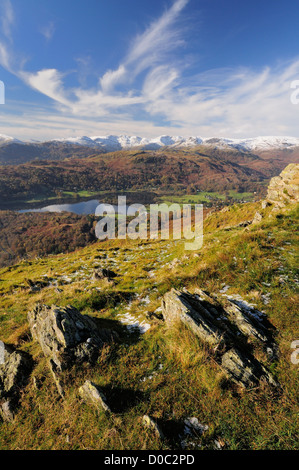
x: 66, y: 336
x: 226, y: 327
x: 14, y: 374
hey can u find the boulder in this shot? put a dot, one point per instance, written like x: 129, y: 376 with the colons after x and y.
x: 258, y: 217
x: 14, y: 374
x: 179, y: 306
x: 104, y: 273
x: 36, y: 286
x: 247, y: 324
x: 284, y: 189
x: 244, y: 369
x: 229, y: 328
x: 92, y: 393
x: 265, y: 204
x: 66, y: 336
x: 151, y: 424
x: 192, y: 425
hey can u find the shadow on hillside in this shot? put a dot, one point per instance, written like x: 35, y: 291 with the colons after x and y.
x: 99, y: 300
x: 122, y: 399
x: 116, y: 331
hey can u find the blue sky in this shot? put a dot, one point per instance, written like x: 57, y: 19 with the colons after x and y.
x: 150, y: 67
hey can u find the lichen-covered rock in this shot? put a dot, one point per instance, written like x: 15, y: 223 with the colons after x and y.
x: 151, y: 424
x: 14, y: 373
x: 66, y: 336
x: 178, y: 306
x: 91, y: 393
x: 245, y: 370
x: 227, y: 327
x: 193, y: 425
x: 284, y: 189
x: 247, y: 324
x: 258, y: 217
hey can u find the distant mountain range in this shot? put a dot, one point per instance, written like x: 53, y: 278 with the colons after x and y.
x: 124, y: 142
x: 14, y: 151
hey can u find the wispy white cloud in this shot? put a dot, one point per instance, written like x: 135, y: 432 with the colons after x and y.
x: 48, y: 30
x: 150, y: 82
x: 7, y: 18
x: 149, y: 48
x: 48, y: 82
x: 146, y: 52
x: 152, y: 46
x: 160, y: 81
x: 236, y: 103
x: 4, y: 57
x: 113, y: 77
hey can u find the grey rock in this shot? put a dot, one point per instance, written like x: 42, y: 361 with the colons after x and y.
x: 226, y: 327
x: 193, y: 425
x: 151, y: 424
x: 249, y: 326
x: 258, y: 217
x: 178, y: 306
x: 265, y: 204
x: 66, y: 337
x: 245, y: 370
x: 14, y: 374
x: 104, y: 273
x: 57, y: 379
x: 92, y: 393
x: 36, y: 286
x: 284, y: 189
x: 7, y: 410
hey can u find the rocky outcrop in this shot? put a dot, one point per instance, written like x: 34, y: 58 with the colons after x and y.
x: 178, y: 306
x: 92, y: 394
x: 151, y: 424
x: 258, y: 217
x: 66, y: 337
x: 284, y: 189
x: 228, y: 328
x: 14, y: 374
x: 104, y: 274
x: 245, y: 369
x: 36, y: 286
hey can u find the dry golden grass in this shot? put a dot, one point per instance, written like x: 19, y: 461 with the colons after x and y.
x: 166, y: 373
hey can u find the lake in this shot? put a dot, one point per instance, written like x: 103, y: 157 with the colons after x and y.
x: 80, y: 208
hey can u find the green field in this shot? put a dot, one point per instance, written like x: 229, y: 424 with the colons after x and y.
x: 207, y: 197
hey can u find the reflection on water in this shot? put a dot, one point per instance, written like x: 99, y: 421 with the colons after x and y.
x: 80, y: 208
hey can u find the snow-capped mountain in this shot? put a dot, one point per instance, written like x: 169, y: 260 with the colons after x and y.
x: 111, y: 143
x: 257, y: 143
x: 123, y: 142
x: 6, y: 139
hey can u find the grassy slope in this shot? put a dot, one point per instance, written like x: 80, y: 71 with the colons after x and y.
x: 168, y: 374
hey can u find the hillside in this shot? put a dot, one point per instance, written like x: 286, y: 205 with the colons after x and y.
x: 31, y: 235
x: 158, y: 384
x: 16, y: 152
x: 168, y: 170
